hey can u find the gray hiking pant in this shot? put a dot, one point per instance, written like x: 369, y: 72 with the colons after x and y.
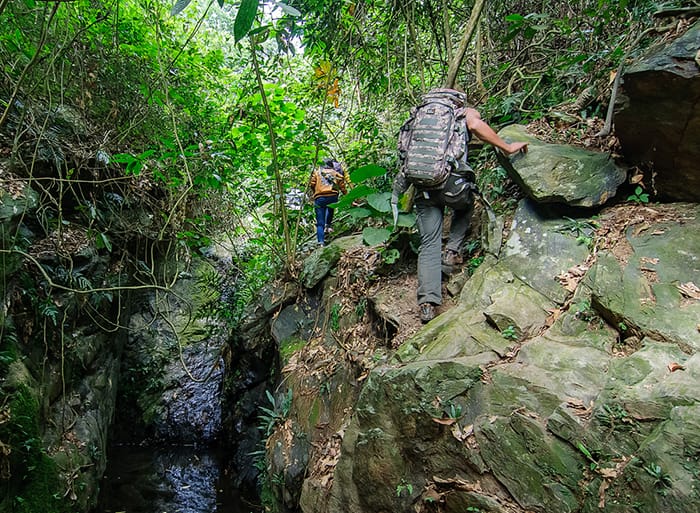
x: 429, y: 217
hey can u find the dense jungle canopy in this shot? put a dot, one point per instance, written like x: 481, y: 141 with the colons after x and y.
x: 201, y: 113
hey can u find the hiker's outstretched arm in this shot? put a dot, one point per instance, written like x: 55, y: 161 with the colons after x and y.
x: 483, y: 131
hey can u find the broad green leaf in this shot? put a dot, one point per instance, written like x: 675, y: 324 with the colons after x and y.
x: 375, y: 236
x: 260, y: 30
x: 102, y: 241
x: 134, y: 167
x: 363, y: 173
x: 515, y: 18
x: 360, y: 213
x: 179, y: 7
x: 245, y: 18
x: 380, y: 201
x: 357, y: 192
x: 406, y: 220
x: 123, y: 158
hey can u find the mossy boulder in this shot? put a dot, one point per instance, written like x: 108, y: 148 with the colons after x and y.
x: 563, y: 174
x: 589, y: 406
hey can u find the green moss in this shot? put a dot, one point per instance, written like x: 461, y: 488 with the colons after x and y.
x: 34, y: 484
x: 315, y: 412
x: 289, y: 347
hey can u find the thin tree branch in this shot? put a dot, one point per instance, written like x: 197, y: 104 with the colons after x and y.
x: 456, y: 62
x: 35, y: 58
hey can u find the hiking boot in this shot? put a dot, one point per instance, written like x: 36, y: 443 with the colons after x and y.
x: 452, y: 258
x: 427, y: 312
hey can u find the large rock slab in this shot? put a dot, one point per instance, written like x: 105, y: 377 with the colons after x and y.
x: 540, y: 247
x: 658, y: 117
x: 592, y: 408
x: 644, y: 295
x: 557, y: 173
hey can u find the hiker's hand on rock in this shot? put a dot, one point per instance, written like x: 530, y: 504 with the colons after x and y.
x: 517, y: 147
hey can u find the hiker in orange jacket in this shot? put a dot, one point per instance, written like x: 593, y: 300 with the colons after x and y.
x: 326, y: 182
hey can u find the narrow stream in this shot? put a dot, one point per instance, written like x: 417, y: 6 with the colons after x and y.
x: 184, y: 479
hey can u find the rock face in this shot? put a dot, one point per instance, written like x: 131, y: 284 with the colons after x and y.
x: 658, y: 117
x: 556, y: 173
x: 173, y: 368
x: 564, y: 380
x: 58, y: 371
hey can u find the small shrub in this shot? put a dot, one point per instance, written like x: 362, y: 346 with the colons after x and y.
x: 639, y: 195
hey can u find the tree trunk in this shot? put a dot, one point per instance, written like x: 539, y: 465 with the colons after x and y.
x: 464, y: 43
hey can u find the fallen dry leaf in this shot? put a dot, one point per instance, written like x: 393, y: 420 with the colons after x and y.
x: 636, y: 179
x: 690, y: 290
x: 609, y: 473
x: 462, y: 434
x: 444, y: 422
x: 554, y: 314
x: 673, y: 367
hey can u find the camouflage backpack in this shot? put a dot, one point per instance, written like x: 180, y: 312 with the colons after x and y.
x: 433, y: 139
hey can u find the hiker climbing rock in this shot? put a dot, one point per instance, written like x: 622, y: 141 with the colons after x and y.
x: 433, y: 157
x: 326, y: 182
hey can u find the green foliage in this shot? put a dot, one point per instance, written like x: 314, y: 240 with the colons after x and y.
x: 244, y: 19
x: 371, y: 208
x: 402, y: 487
x: 509, y: 333
x: 614, y: 417
x: 34, y: 484
x: 583, y: 310
x: 474, y: 263
x: 361, y: 308
x: 639, y: 196
x: 335, y: 316
x: 279, y: 410
x: 582, y: 230
x: 593, y: 464
x: 452, y: 410
x: 662, y: 479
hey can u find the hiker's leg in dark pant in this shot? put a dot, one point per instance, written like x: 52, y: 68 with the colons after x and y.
x: 329, y: 211
x: 459, y: 227
x: 429, y: 220
x: 320, y: 219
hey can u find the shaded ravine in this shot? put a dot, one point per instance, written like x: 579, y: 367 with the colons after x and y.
x: 170, y: 450
x: 176, y: 479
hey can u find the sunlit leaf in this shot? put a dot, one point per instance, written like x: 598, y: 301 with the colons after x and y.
x: 358, y: 192
x: 288, y: 9
x: 363, y: 173
x: 123, y: 158
x: 179, y: 7
x: 245, y: 18
x: 380, y: 201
